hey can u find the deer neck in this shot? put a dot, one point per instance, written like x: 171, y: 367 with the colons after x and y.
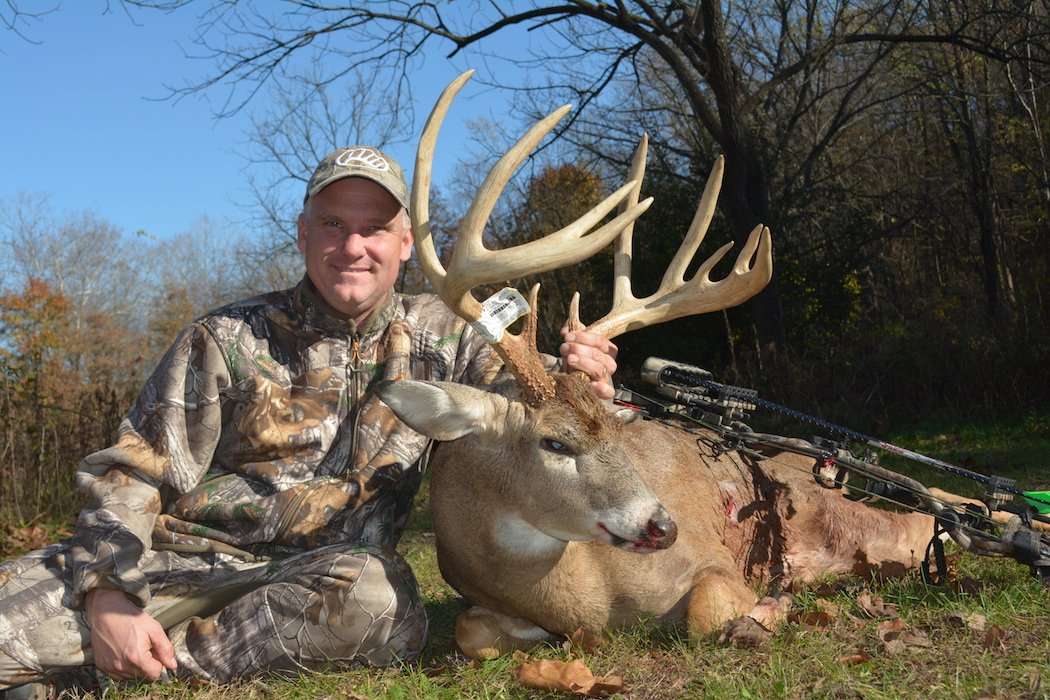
x: 479, y: 522
x: 514, y: 537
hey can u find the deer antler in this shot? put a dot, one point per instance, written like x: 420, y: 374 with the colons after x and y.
x: 472, y: 264
x: 675, y: 297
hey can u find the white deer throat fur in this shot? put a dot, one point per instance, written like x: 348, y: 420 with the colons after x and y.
x: 512, y: 535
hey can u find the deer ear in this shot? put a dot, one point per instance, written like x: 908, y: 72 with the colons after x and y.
x: 441, y: 410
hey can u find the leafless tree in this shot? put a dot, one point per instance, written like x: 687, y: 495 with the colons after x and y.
x: 731, y: 65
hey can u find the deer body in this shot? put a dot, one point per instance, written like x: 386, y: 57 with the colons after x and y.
x: 515, y: 537
x: 553, y: 513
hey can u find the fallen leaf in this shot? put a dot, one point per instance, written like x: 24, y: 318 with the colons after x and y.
x: 606, y: 685
x: 812, y: 618
x: 584, y: 641
x: 828, y: 607
x: 995, y: 638
x: 853, y: 659
x: 894, y: 647
x: 744, y: 632
x: 570, y: 677
x: 874, y: 606
x: 973, y: 621
x: 857, y: 622
x: 890, y: 629
x: 825, y: 614
x: 897, y: 637
x: 26, y: 538
x: 916, y: 638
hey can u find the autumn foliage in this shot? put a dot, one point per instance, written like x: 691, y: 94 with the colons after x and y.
x: 59, y: 397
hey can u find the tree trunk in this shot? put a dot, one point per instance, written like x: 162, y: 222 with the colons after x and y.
x: 745, y: 198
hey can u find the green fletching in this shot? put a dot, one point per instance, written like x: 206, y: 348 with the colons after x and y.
x: 1040, y: 500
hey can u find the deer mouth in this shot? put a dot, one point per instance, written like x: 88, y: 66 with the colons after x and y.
x: 655, y: 537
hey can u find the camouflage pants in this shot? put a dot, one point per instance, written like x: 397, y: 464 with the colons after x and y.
x: 341, y: 604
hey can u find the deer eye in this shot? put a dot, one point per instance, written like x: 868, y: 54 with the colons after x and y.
x: 552, y: 445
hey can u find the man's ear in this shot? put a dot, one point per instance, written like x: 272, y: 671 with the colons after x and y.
x: 301, y: 226
x: 406, y: 237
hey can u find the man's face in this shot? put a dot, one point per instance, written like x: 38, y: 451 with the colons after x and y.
x: 354, y: 239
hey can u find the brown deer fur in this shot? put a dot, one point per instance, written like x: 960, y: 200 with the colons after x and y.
x: 516, y: 535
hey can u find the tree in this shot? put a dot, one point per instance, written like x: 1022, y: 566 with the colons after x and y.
x: 730, y: 67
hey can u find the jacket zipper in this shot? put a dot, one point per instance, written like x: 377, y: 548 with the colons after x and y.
x: 355, y: 407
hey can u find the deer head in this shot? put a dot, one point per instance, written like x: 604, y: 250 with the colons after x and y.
x: 557, y: 453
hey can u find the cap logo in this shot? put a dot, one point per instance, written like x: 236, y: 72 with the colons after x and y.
x: 364, y: 158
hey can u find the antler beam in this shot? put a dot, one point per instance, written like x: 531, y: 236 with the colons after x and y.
x: 473, y: 264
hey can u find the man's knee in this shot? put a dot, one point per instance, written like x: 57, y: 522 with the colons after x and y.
x: 369, y: 601
x: 335, y: 605
x: 38, y: 634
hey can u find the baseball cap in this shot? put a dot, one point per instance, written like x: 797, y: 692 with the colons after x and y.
x: 360, y: 161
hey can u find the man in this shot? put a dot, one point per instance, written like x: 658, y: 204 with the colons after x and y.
x: 245, y: 519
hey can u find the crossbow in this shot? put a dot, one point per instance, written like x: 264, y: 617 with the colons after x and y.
x: 849, y: 462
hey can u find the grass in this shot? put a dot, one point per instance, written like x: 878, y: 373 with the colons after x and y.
x: 838, y: 658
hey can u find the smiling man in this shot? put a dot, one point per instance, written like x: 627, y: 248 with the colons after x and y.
x: 246, y: 518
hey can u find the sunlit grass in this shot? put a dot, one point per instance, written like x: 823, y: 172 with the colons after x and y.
x: 799, y: 662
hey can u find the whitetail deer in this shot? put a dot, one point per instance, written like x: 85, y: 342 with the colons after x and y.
x: 543, y: 497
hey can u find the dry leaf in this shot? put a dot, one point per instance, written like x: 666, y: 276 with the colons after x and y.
x: 27, y: 538
x: 854, y: 659
x: 812, y: 619
x: 570, y: 677
x: 897, y: 637
x: 584, y: 641
x: 894, y: 647
x: 828, y: 607
x: 973, y: 621
x: 995, y: 638
x: 874, y: 606
x: 825, y: 614
x: 857, y: 622
x: 916, y: 638
x: 744, y: 632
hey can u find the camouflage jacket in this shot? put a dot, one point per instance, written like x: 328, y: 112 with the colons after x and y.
x: 257, y: 435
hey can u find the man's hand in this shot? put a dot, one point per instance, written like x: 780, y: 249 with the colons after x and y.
x: 127, y: 641
x: 593, y: 355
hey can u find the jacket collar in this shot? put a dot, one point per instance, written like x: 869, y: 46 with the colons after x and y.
x: 314, y: 313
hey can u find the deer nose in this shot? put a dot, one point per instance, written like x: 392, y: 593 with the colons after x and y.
x: 661, y: 530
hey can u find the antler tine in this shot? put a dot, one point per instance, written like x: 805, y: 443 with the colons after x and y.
x: 705, y: 211
x: 421, y: 176
x: 573, y: 323
x: 473, y: 224
x: 567, y: 246
x: 675, y: 297
x: 624, y: 244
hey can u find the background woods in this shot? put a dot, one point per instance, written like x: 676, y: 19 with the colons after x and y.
x: 896, y: 148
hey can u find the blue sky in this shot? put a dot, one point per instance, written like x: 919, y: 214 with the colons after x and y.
x: 78, y: 123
